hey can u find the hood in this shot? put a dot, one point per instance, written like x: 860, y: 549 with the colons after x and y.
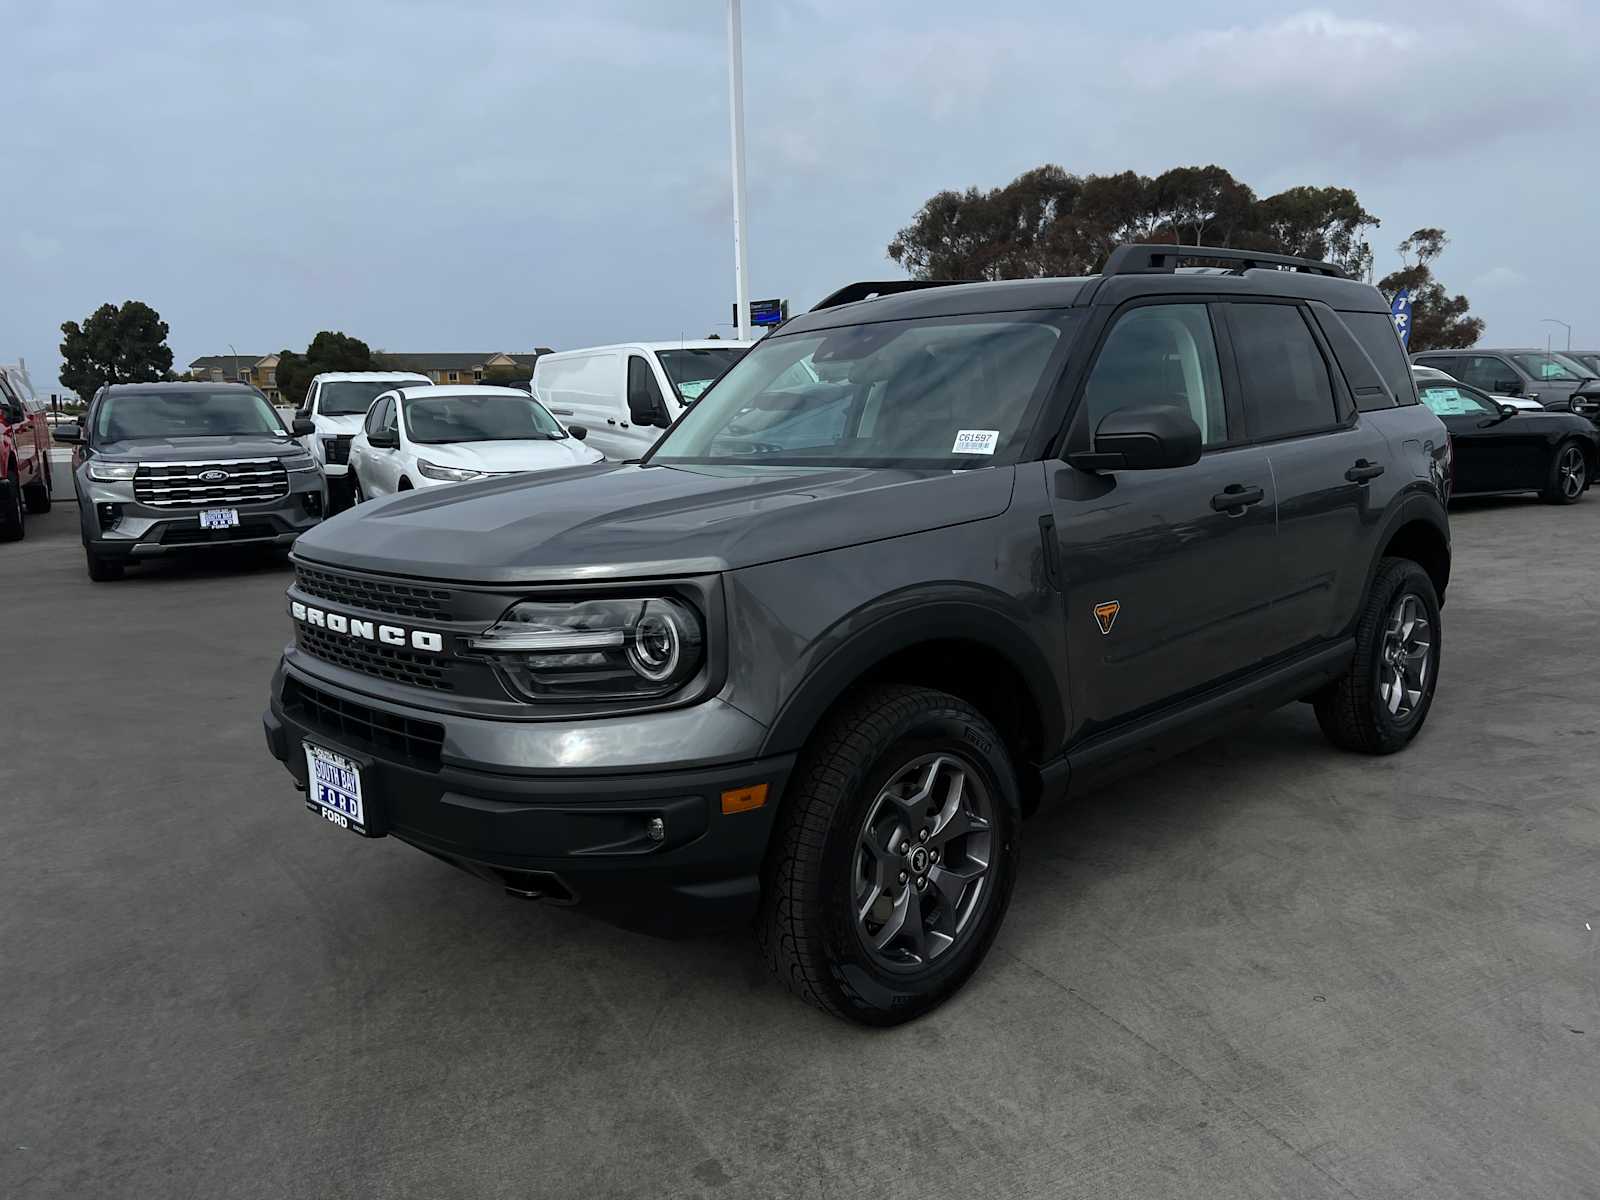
x: 621, y: 521
x: 540, y: 454
x: 342, y: 424
x: 196, y: 449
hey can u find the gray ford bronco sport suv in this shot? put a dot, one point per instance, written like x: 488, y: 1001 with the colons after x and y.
x: 915, y: 566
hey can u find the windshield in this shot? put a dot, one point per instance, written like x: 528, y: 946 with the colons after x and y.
x: 938, y: 392
x: 1550, y: 366
x: 693, y: 371
x: 184, y: 414
x: 1590, y: 362
x: 352, y: 396
x: 1448, y: 400
x: 479, y: 419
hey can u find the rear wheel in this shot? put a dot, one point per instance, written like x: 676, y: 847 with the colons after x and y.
x: 1569, y: 475
x: 12, y: 528
x: 37, y: 495
x: 1381, y: 702
x: 894, y: 857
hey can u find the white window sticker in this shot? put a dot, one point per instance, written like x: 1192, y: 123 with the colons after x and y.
x: 975, y: 441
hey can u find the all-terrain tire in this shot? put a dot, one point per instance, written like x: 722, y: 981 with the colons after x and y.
x: 1353, y: 710
x: 808, y: 927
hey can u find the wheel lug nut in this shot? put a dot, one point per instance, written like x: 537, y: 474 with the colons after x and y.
x: 922, y: 836
x: 922, y: 883
x: 933, y: 856
x: 902, y: 876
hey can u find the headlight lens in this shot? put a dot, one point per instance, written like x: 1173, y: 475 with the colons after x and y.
x: 635, y: 648
x: 299, y: 462
x: 454, y: 474
x: 111, y: 472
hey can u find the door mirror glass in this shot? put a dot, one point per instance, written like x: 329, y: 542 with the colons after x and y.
x: 301, y: 427
x: 67, y: 433
x: 1142, y: 439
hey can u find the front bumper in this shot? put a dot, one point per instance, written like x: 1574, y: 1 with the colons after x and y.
x: 138, y: 531
x: 572, y: 837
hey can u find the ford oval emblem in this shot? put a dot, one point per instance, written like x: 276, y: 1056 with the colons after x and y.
x: 213, y: 476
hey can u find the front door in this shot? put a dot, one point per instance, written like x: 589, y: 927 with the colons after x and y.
x: 1162, y: 570
x: 1490, y: 452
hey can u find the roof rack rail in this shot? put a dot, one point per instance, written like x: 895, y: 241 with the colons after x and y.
x: 1145, y: 259
x: 866, y: 290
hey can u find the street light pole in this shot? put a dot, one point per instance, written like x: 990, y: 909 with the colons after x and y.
x: 235, y: 354
x: 1563, y: 324
x: 741, y: 293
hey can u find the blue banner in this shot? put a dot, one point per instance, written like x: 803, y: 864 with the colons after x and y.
x: 1400, y: 311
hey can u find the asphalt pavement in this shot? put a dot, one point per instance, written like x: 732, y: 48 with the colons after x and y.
x: 1264, y: 969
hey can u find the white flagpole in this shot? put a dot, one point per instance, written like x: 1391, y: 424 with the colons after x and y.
x: 741, y: 290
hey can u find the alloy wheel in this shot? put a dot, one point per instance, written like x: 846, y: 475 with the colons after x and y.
x: 1406, y: 657
x: 922, y: 861
x: 1571, y: 473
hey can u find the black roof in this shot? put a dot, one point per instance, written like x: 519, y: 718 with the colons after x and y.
x: 220, y: 385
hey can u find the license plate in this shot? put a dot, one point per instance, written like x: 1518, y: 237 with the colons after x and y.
x: 219, y: 518
x: 333, y: 788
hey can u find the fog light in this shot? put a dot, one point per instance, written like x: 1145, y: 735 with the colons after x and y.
x: 312, y: 502
x: 655, y: 829
x: 110, y: 515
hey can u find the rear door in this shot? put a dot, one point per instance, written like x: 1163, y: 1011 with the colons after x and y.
x: 1324, y: 458
x: 24, y: 441
x: 1163, y: 570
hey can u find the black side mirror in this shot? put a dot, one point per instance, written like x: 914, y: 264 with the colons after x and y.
x: 301, y: 427
x: 1507, y: 387
x: 383, y: 440
x: 69, y: 434
x: 1507, y: 410
x: 1142, y: 439
x: 645, y: 409
x: 578, y: 431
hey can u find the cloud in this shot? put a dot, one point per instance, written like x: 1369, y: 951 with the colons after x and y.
x: 1499, y: 279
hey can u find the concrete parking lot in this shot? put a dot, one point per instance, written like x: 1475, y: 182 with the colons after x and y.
x: 1263, y: 969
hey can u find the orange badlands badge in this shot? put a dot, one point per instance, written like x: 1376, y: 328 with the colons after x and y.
x: 1105, y: 614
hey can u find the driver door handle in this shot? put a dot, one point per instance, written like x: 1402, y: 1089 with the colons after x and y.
x: 1363, y: 471
x: 611, y: 420
x: 1237, y: 496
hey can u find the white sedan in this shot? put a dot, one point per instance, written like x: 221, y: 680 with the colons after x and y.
x: 423, y: 436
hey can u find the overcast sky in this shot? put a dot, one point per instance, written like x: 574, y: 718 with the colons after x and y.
x: 500, y: 174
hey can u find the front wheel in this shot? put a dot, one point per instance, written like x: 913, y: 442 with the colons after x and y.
x: 1381, y: 702
x: 894, y: 857
x: 102, y: 569
x: 1569, y: 475
x: 357, y: 496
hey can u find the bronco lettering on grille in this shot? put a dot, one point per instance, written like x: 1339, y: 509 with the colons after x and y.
x: 368, y: 631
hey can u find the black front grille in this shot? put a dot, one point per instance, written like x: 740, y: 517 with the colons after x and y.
x: 194, y: 535
x: 336, y: 450
x: 362, y: 728
x: 207, y: 484
x: 396, y: 664
x: 375, y: 594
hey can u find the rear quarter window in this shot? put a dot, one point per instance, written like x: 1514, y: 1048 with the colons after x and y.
x: 1375, y: 332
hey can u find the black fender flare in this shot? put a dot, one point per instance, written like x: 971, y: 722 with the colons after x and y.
x: 891, y: 632
x: 1419, y: 507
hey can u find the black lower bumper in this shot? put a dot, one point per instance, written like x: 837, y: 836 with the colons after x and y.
x: 180, y: 533
x: 573, y: 838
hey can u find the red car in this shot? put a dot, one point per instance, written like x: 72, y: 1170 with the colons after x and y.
x: 24, y: 460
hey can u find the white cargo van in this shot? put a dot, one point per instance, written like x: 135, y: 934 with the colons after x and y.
x: 626, y: 394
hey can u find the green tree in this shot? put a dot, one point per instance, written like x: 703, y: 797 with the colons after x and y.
x: 1050, y: 222
x: 1439, y: 321
x: 328, y: 351
x: 114, y: 345
x: 506, y: 376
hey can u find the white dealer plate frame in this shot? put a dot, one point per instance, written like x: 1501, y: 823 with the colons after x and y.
x: 219, y: 518
x: 335, y: 788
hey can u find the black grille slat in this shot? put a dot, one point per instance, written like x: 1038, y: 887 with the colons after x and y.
x: 418, y: 601
x: 194, y: 535
x: 336, y: 450
x: 372, y: 658
x: 178, y: 485
x: 361, y: 727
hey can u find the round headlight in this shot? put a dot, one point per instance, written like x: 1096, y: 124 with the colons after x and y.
x: 656, y: 646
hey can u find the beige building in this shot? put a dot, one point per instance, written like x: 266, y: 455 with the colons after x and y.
x: 258, y: 370
x: 460, y: 368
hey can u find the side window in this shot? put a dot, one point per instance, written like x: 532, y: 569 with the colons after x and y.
x: 646, y: 405
x: 1487, y: 372
x: 1160, y: 354
x: 1448, y: 400
x: 1370, y: 390
x: 1282, y: 374
x: 375, y: 417
x: 1375, y: 332
x: 391, y: 415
